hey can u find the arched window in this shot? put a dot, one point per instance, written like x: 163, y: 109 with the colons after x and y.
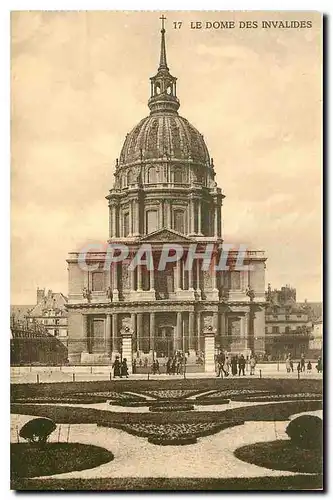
x: 152, y: 177
x: 178, y: 221
x: 177, y: 176
x: 129, y: 177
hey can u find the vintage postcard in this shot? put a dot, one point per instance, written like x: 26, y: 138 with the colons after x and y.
x: 166, y: 215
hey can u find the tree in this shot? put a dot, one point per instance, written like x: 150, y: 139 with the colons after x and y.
x: 37, y: 430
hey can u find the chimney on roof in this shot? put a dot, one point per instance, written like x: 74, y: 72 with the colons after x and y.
x: 40, y: 294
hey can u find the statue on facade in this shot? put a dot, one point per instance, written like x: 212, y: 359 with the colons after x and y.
x: 250, y: 293
x: 224, y: 294
x: 86, y: 293
x: 109, y: 293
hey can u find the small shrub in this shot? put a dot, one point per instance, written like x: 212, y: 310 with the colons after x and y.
x: 306, y: 431
x: 37, y: 430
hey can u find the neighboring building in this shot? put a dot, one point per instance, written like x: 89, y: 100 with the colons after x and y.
x: 316, y: 339
x: 164, y: 192
x: 288, y: 324
x: 51, y: 312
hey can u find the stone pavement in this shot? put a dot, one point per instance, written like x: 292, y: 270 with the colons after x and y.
x: 47, y: 374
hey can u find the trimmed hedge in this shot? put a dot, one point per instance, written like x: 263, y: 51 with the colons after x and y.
x: 171, y: 407
x: 306, y: 431
x: 172, y: 442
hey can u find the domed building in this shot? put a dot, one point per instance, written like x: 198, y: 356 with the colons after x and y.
x: 164, y: 192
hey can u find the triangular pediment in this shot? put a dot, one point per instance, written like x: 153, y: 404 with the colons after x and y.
x: 166, y: 235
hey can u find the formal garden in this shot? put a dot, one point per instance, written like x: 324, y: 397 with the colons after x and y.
x: 177, y: 426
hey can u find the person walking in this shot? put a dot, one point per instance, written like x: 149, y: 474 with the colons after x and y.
x: 309, y: 367
x: 124, y: 368
x: 319, y: 365
x: 241, y: 365
x: 116, y: 368
x: 220, y: 361
x: 288, y: 367
x: 157, y: 366
x: 173, y: 366
x: 168, y: 366
x: 253, y: 363
x: 226, y: 367
x: 234, y: 365
x: 302, y: 363
x: 134, y: 366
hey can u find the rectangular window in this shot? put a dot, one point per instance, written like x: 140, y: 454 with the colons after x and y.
x: 276, y: 329
x: 126, y: 224
x: 97, y: 282
x: 151, y: 221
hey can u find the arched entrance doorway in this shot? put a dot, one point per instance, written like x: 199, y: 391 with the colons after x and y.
x: 164, y: 344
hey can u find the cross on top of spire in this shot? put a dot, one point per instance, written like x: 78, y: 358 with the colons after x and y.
x: 163, y: 18
x: 163, y: 61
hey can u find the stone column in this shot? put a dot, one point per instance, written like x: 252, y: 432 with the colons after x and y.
x: 139, y: 330
x: 209, y: 351
x: 198, y: 271
x: 139, y: 281
x: 216, y: 222
x: 133, y: 325
x: 215, y: 321
x: 86, y: 331
x: 191, y: 216
x: 214, y: 277
x: 199, y: 218
x: 178, y: 275
x: 126, y: 338
x: 179, y: 333
x: 190, y: 279
x: 115, y: 349
x: 130, y: 218
x: 152, y: 280
x: 199, y: 331
x: 191, y: 332
x: 115, y: 291
x: 108, y: 334
x: 136, y: 226
x: 168, y: 214
x: 152, y: 332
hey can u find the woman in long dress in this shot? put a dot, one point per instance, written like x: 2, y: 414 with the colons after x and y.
x: 116, y: 367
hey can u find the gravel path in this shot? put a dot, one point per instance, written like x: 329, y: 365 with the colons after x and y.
x: 211, y: 456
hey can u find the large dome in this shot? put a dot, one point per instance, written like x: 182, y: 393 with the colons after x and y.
x: 164, y: 135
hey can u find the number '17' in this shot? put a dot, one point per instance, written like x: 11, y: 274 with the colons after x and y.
x: 177, y: 24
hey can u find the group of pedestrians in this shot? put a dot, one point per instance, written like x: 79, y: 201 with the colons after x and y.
x: 176, y: 364
x: 234, y: 364
x: 120, y: 368
x: 302, y: 365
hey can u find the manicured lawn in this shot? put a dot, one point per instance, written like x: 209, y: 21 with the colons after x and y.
x: 282, y: 455
x: 30, y: 460
x: 284, y: 483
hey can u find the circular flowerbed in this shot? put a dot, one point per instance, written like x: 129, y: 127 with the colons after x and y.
x: 172, y: 407
x: 282, y: 455
x: 31, y: 460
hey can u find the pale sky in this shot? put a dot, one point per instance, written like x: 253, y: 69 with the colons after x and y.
x: 80, y: 82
